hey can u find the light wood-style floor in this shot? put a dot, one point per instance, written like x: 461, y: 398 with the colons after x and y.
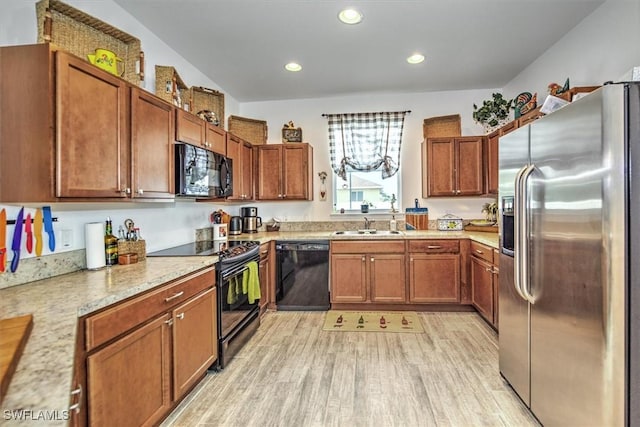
x: 292, y: 373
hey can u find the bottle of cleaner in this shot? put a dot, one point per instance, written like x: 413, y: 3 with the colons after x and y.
x: 393, y: 225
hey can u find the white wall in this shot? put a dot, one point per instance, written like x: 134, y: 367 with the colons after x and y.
x: 307, y: 114
x: 603, y: 47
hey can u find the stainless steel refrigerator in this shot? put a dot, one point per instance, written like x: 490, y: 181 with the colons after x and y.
x: 569, y: 303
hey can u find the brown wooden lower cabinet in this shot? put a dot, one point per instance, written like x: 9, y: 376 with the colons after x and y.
x: 368, y: 272
x: 266, y: 276
x: 195, y: 340
x: 434, y: 278
x: 129, y: 380
x: 138, y: 376
x: 484, y: 282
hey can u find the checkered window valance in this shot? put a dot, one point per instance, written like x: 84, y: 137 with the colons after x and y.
x: 365, y: 142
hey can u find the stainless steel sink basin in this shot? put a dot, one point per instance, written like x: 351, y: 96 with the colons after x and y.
x: 370, y: 232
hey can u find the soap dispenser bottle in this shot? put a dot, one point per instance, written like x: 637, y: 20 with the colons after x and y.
x: 393, y: 225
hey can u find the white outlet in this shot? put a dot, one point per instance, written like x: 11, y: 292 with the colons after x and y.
x: 66, y: 238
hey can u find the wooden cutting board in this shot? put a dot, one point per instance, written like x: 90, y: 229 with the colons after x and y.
x: 490, y: 229
x: 14, y: 333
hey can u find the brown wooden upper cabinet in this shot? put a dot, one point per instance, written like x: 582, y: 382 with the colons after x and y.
x: 454, y: 167
x: 78, y: 133
x: 241, y: 153
x: 195, y: 131
x: 285, y: 172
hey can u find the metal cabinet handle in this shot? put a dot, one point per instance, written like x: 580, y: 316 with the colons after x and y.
x: 75, y: 407
x: 180, y: 316
x: 279, y: 196
x: 363, y: 259
x: 478, y: 251
x: 140, y: 191
x: 489, y: 269
x: 169, y: 322
x: 434, y: 247
x: 125, y: 190
x: 174, y: 296
x: 372, y: 259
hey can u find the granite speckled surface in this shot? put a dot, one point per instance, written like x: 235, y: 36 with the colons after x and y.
x: 43, y: 378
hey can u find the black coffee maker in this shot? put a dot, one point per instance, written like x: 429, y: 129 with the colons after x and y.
x: 250, y: 219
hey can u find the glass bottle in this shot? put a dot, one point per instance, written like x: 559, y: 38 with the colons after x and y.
x: 110, y: 245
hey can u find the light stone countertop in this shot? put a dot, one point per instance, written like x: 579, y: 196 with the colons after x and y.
x: 42, y: 381
x: 43, y: 378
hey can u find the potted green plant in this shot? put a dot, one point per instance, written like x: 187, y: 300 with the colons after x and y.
x: 364, y: 206
x: 493, y: 112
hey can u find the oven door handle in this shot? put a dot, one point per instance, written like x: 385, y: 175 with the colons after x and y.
x: 238, y: 269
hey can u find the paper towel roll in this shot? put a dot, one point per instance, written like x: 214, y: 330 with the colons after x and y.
x: 94, y: 245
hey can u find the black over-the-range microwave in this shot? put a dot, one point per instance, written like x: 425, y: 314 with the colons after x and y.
x: 202, y: 173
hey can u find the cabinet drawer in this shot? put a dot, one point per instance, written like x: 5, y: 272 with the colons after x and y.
x: 434, y: 246
x: 120, y: 318
x: 482, y: 251
x: 368, y: 247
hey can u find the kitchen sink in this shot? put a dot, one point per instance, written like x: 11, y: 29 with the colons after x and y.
x: 370, y: 232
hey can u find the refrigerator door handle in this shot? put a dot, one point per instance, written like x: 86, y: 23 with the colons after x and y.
x: 525, y: 233
x: 517, y: 232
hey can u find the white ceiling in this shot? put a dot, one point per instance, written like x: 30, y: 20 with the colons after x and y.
x: 242, y: 45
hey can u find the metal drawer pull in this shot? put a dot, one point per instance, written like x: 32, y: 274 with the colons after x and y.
x: 434, y: 247
x: 77, y: 391
x: 75, y: 407
x: 171, y: 298
x: 372, y: 259
x: 489, y: 269
x: 169, y: 322
x: 478, y: 251
x: 180, y: 316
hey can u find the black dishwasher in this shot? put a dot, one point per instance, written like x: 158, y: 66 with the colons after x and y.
x: 302, y: 270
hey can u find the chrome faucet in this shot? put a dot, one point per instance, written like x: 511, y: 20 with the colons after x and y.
x: 367, y: 223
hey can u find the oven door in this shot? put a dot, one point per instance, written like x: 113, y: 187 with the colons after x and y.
x: 233, y: 302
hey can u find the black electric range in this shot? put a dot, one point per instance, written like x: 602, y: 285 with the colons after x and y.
x: 225, y: 249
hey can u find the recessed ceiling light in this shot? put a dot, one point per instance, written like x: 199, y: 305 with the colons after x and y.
x: 350, y: 16
x: 416, y: 58
x: 293, y: 66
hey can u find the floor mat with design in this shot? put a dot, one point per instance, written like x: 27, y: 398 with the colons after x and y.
x: 372, y: 321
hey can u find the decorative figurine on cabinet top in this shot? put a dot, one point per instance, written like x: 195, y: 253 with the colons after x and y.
x: 290, y: 133
x: 524, y: 103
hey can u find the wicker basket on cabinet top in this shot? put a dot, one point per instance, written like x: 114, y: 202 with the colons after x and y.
x: 81, y: 34
x: 169, y: 85
x: 252, y: 130
x: 203, y: 98
x: 442, y: 126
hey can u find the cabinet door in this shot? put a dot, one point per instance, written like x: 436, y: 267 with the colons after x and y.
x: 152, y: 139
x: 440, y: 156
x: 190, y: 128
x: 246, y: 171
x: 215, y: 138
x: 92, y: 154
x: 468, y: 170
x: 195, y: 340
x: 348, y: 278
x: 295, y: 172
x: 387, y: 278
x: 265, y: 276
x: 482, y: 287
x: 492, y: 163
x: 269, y: 172
x: 434, y: 278
x: 129, y: 381
x: 234, y: 152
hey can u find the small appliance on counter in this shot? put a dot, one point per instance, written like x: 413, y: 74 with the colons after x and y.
x: 235, y: 225
x: 250, y: 219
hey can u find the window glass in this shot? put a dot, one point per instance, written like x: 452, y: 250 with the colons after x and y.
x: 365, y: 188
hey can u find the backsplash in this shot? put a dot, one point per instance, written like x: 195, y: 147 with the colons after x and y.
x: 44, y: 267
